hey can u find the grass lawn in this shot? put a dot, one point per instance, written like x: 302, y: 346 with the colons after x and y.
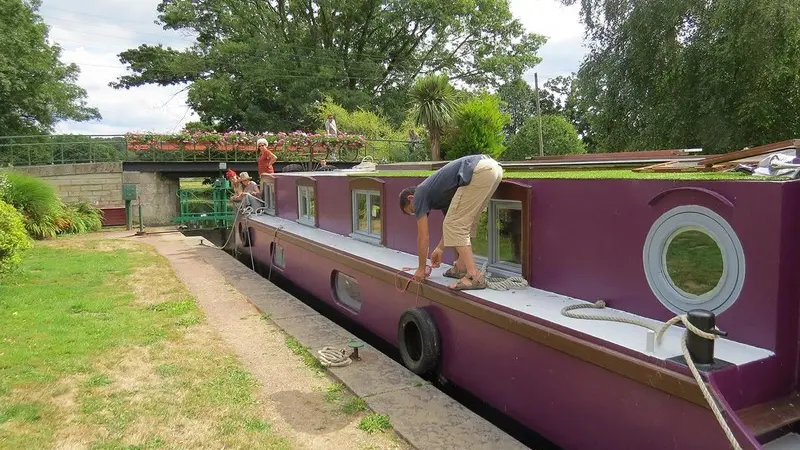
x: 103, y: 348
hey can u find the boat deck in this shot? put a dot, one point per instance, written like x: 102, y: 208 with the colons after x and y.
x: 535, y: 302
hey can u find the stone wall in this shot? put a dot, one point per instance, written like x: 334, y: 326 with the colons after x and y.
x: 100, y: 184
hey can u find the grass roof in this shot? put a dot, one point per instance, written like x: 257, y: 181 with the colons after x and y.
x: 597, y: 174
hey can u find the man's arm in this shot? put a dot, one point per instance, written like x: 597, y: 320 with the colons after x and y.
x: 423, y: 241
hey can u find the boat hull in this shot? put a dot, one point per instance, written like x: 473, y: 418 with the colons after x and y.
x: 569, y: 401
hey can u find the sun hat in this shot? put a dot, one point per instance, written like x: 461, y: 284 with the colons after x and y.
x: 244, y: 176
x: 262, y: 141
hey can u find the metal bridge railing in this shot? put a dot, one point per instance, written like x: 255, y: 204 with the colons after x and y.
x: 70, y: 149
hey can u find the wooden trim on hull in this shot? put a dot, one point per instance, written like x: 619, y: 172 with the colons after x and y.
x: 644, y: 372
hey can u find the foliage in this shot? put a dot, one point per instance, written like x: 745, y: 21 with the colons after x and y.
x: 14, y: 240
x: 433, y: 104
x: 477, y: 128
x: 44, y: 215
x: 519, y: 102
x: 558, y: 135
x: 37, y: 90
x: 258, y: 65
x: 690, y: 73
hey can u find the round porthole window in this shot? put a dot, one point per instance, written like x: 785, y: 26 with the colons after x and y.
x: 694, y: 260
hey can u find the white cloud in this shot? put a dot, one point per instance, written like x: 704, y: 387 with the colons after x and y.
x: 92, y: 34
x: 564, y: 50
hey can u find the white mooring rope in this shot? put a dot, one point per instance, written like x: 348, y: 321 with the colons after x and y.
x: 500, y: 283
x: 331, y: 357
x: 600, y: 304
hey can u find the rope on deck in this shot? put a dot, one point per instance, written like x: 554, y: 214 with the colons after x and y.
x: 600, y: 304
x: 500, y: 283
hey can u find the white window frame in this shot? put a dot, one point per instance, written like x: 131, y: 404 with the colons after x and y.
x: 269, y: 198
x: 367, y: 236
x: 502, y: 268
x: 305, y: 194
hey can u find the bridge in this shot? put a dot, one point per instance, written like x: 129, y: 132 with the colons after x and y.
x: 94, y: 168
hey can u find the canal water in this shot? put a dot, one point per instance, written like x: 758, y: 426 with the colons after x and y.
x: 497, y: 418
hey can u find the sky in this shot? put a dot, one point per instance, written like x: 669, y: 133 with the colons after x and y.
x: 92, y: 34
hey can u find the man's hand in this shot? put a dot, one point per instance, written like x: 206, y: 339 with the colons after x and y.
x: 436, y: 257
x: 420, y: 274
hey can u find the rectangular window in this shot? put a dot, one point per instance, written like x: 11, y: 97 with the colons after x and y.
x: 367, y: 215
x: 499, y: 237
x: 306, y: 206
x: 269, y: 198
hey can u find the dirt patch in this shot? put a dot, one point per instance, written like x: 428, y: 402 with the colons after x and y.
x: 293, y: 397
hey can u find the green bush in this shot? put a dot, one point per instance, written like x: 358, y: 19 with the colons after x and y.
x: 43, y: 213
x: 13, y: 238
x: 558, y: 134
x: 477, y: 128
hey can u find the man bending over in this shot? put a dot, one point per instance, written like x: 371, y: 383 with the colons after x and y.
x: 461, y: 190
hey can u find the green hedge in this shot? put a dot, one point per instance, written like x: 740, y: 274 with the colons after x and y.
x: 13, y: 237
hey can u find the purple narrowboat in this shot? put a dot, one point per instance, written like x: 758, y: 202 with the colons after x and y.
x: 719, y: 250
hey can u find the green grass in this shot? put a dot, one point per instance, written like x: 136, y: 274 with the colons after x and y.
x: 374, y: 423
x: 308, y: 359
x: 612, y: 174
x: 694, y: 262
x: 84, y: 358
x: 354, y: 405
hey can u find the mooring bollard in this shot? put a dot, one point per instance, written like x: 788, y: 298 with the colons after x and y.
x: 701, y: 349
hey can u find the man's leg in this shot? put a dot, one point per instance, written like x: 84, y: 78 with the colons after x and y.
x: 460, y: 224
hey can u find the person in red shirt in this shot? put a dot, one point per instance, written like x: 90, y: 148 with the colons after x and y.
x: 266, y: 159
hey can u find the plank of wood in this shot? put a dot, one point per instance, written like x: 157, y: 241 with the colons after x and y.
x: 746, y: 153
x: 770, y: 416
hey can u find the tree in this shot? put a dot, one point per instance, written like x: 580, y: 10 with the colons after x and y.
x: 478, y: 128
x: 259, y: 64
x: 519, y: 100
x: 691, y: 73
x: 559, y: 137
x: 36, y: 89
x: 433, y: 104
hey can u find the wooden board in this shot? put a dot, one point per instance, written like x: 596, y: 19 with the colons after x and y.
x: 746, y: 153
x: 770, y: 416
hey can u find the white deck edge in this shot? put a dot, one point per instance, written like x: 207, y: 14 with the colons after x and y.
x: 535, y: 302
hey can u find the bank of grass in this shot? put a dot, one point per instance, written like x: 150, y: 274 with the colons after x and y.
x: 599, y: 174
x: 102, y: 347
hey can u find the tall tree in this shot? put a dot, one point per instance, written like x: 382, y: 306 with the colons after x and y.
x: 37, y: 90
x: 259, y: 64
x: 716, y: 74
x: 519, y: 100
x: 433, y: 105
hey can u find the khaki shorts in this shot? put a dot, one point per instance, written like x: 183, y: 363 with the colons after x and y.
x: 461, y: 222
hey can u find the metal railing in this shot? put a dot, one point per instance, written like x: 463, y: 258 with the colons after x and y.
x: 36, y: 150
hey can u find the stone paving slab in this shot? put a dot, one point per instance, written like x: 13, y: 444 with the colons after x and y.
x: 420, y: 413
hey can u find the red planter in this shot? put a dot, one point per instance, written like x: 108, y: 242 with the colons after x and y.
x: 195, y: 147
x: 246, y: 147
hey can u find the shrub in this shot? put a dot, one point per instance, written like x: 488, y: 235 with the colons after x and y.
x: 477, y: 128
x: 79, y: 218
x: 558, y: 134
x: 13, y: 238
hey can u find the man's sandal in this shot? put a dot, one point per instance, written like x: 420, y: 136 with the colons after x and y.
x: 454, y: 273
x: 478, y: 284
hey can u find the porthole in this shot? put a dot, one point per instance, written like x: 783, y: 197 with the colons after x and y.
x: 694, y: 260
x: 346, y: 291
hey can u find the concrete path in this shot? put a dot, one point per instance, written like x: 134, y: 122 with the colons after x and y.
x: 420, y: 413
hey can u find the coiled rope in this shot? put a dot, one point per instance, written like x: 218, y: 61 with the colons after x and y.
x: 500, y: 283
x: 600, y: 304
x: 331, y: 357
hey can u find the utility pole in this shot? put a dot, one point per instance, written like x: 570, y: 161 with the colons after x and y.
x: 538, y: 112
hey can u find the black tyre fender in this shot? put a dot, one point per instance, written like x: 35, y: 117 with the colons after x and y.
x: 419, y: 341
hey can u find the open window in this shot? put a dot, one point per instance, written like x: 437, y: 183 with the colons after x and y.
x: 268, y: 190
x: 307, y: 201
x: 503, y: 234
x: 367, y: 212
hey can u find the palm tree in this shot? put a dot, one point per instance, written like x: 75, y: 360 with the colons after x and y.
x: 432, y: 105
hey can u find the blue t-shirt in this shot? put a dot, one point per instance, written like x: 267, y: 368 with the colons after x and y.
x: 437, y: 191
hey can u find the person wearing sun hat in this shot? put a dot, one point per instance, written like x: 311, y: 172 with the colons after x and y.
x: 249, y: 193
x: 267, y: 159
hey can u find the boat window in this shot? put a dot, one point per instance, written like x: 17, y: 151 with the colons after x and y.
x: 306, y: 205
x: 347, y: 292
x: 693, y: 259
x: 499, y: 237
x: 367, y: 215
x: 269, y: 198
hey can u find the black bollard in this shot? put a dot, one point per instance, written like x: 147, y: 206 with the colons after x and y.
x: 701, y: 349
